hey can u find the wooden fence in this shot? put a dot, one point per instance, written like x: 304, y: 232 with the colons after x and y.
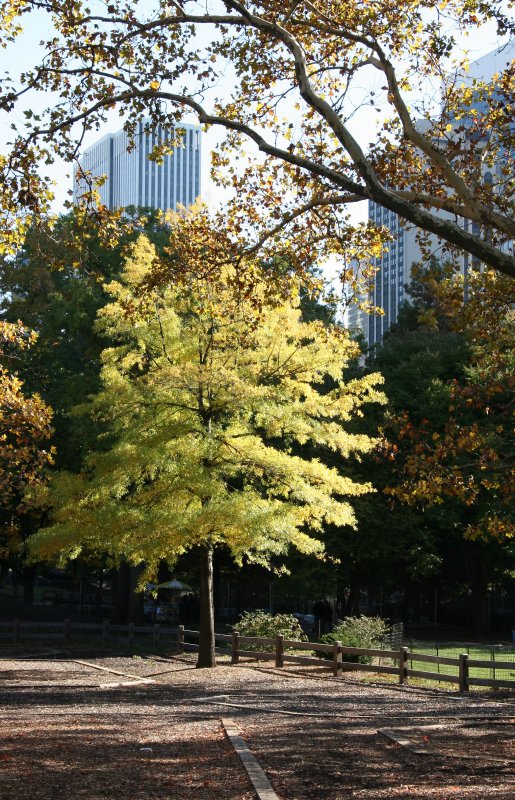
x: 67, y: 631
x: 398, y: 660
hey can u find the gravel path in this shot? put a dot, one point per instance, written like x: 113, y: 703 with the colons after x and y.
x: 132, y: 728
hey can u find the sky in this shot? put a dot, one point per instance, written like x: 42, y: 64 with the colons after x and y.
x: 23, y: 53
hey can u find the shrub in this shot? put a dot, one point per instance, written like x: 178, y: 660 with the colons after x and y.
x: 357, y: 632
x: 261, y: 623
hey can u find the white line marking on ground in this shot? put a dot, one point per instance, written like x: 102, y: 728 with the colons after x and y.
x: 213, y: 699
x: 401, y: 739
x: 113, y: 672
x: 254, y: 770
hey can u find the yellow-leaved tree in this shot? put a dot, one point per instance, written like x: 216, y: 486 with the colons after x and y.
x: 25, y: 430
x: 208, y: 389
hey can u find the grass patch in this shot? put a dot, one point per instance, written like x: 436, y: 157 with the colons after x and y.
x: 475, y: 652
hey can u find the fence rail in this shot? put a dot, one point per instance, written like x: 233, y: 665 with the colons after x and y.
x: 279, y: 650
x: 21, y: 630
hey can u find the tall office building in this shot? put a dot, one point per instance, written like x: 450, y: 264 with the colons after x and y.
x: 395, y: 263
x: 134, y: 180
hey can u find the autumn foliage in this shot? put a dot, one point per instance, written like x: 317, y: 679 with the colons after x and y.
x: 300, y: 75
x: 471, y: 457
x: 25, y: 428
x: 209, y: 393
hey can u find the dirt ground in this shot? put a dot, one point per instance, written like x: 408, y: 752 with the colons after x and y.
x: 128, y: 728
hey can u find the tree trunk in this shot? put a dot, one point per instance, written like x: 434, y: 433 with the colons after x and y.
x: 352, y: 601
x: 98, y: 593
x: 135, y: 599
x: 217, y: 585
x: 206, y: 654
x: 121, y: 583
x: 480, y: 605
x: 29, y: 576
x: 355, y: 597
x: 478, y: 567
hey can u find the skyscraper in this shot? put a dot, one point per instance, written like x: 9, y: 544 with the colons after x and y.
x: 134, y: 180
x: 395, y: 263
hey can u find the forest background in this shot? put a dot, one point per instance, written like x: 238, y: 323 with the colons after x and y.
x: 443, y: 467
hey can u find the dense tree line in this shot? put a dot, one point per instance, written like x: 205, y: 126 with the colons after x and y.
x: 445, y: 466
x: 448, y: 376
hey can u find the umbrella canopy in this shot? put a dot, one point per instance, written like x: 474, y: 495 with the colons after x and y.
x: 174, y: 585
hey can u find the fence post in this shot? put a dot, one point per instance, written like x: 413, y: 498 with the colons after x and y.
x: 16, y: 630
x: 464, y: 673
x: 130, y: 633
x: 279, y: 651
x: 105, y: 631
x: 180, y: 638
x: 66, y: 630
x: 156, y: 634
x: 235, y: 645
x: 337, y: 660
x: 403, y: 661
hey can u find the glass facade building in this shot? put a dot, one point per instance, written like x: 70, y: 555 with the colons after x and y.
x: 132, y: 179
x: 391, y: 276
x: 395, y: 263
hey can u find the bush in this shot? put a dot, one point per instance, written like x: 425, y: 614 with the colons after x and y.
x: 261, y: 623
x: 357, y: 632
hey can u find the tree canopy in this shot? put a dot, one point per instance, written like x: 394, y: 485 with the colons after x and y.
x: 441, y: 157
x: 468, y: 455
x: 205, y: 391
x: 55, y: 286
x: 25, y: 428
x: 442, y: 515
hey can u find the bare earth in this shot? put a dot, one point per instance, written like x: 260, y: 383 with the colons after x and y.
x: 70, y: 730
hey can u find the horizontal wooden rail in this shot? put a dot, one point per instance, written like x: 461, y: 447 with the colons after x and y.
x: 352, y: 666
x: 257, y: 640
x: 86, y: 626
x: 43, y: 625
x: 426, y: 659
x: 306, y: 660
x: 257, y: 654
x: 474, y: 662
x: 370, y: 651
x: 317, y: 646
x: 118, y: 628
x: 296, y: 645
x: 492, y: 682
x: 432, y: 676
